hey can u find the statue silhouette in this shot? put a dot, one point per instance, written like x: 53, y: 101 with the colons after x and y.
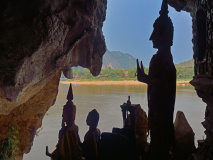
x: 68, y: 147
x: 92, y: 137
x: 161, y: 81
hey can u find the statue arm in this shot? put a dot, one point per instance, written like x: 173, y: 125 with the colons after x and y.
x: 141, y: 75
x: 47, y: 152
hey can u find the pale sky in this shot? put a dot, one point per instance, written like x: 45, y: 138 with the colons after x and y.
x: 129, y: 24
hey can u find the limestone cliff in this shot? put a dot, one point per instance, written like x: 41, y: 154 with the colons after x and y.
x: 28, y: 116
x: 38, y: 40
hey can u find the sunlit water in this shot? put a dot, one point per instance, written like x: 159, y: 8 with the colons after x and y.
x: 106, y: 99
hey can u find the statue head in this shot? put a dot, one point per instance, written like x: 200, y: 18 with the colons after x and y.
x: 93, y: 118
x: 162, y: 35
x: 69, y: 113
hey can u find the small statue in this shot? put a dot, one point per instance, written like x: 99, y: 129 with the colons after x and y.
x: 161, y: 82
x: 128, y: 101
x: 92, y: 137
x: 125, y: 108
x: 68, y: 144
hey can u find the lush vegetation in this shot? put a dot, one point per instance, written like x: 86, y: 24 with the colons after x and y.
x: 8, y: 145
x: 114, y: 60
x: 183, y: 73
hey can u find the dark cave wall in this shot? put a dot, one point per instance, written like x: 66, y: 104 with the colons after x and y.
x: 202, y: 27
x: 203, y: 38
x: 203, y: 56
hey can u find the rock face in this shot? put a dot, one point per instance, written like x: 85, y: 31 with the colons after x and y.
x: 202, y: 18
x: 184, y: 137
x: 187, y: 5
x: 29, y: 115
x: 38, y: 40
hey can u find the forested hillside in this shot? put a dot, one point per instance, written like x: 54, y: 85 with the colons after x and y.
x: 117, y: 65
x: 185, y: 70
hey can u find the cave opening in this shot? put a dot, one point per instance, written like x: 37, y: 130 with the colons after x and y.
x: 103, y: 96
x: 67, y: 33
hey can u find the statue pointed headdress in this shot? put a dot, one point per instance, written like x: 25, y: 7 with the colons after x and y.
x: 70, y: 94
x: 164, y: 21
x: 69, y: 110
x: 164, y: 9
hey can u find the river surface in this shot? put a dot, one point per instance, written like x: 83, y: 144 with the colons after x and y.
x: 106, y: 99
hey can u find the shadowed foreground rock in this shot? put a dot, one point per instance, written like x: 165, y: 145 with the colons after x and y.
x: 141, y: 126
x: 184, y: 137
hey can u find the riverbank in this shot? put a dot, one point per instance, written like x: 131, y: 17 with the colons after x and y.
x: 129, y: 82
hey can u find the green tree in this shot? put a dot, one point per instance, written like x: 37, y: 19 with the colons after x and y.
x: 119, y: 73
x: 131, y: 72
x: 87, y: 74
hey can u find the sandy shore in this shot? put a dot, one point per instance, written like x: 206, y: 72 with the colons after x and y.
x: 113, y: 82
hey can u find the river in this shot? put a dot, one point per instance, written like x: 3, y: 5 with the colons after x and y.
x: 106, y: 99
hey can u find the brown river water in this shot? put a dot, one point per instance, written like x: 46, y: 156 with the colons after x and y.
x: 106, y: 99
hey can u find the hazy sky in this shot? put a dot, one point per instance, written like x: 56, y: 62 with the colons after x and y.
x: 129, y: 24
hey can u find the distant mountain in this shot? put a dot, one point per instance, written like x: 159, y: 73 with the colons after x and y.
x: 189, y: 63
x: 185, y: 70
x: 116, y: 59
